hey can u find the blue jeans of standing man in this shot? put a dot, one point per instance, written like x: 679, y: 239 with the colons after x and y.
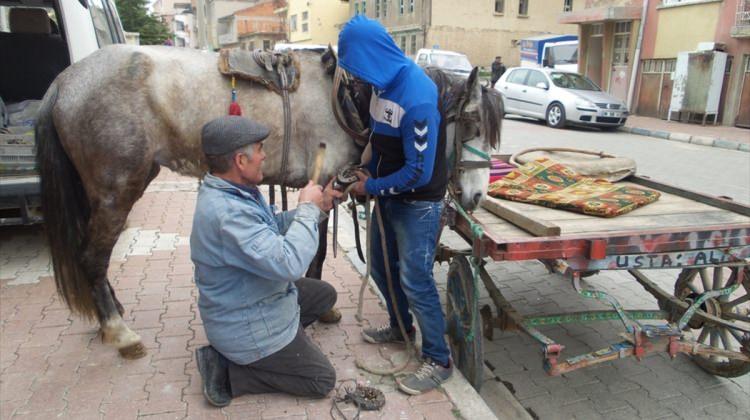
x: 411, y: 232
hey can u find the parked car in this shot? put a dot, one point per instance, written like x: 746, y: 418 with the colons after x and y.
x: 449, y: 61
x: 559, y: 98
x: 38, y: 40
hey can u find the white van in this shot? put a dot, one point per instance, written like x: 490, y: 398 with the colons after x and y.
x: 38, y: 40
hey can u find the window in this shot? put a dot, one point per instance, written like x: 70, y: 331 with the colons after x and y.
x: 536, y: 77
x: 179, y: 25
x: 567, y: 5
x: 499, y: 6
x: 385, y: 8
x: 304, y: 16
x: 411, y: 6
x: 403, y: 44
x: 597, y: 29
x: 377, y: 8
x: 400, y: 7
x: 523, y: 7
x: 658, y: 65
x: 364, y: 7
x: 621, y: 51
x: 267, y: 44
x: 102, y: 26
x: 517, y: 76
x: 304, y: 27
x: 252, y: 46
x: 413, y: 47
x: 293, y: 23
x: 422, y: 59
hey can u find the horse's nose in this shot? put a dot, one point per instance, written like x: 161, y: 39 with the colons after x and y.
x: 477, y: 198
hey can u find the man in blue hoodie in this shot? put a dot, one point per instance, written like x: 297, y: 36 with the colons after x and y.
x: 409, y: 178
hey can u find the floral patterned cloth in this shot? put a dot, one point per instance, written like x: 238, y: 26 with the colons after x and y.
x: 548, y: 183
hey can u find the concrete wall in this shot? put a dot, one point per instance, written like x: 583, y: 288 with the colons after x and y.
x: 324, y: 21
x: 681, y: 28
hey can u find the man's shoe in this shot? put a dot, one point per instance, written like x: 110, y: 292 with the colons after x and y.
x: 331, y: 317
x: 215, y: 376
x: 386, y: 334
x: 429, y: 376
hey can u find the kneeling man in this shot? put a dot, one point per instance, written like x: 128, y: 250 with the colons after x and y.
x: 248, y: 263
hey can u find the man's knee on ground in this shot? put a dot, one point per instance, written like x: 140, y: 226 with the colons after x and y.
x: 322, y: 385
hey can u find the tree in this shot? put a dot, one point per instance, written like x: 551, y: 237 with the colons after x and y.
x: 135, y: 18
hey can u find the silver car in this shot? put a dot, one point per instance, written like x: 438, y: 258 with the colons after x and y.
x: 559, y: 98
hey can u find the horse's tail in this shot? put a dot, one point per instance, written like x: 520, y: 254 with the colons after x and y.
x: 66, y: 211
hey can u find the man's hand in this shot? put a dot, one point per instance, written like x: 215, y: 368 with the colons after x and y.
x: 312, y: 193
x: 329, y: 195
x: 359, y: 186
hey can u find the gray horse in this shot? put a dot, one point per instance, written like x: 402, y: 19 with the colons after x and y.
x: 110, y: 122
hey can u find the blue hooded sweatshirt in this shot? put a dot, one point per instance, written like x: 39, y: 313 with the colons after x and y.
x: 408, y: 153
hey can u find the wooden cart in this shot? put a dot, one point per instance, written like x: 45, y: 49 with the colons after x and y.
x: 707, y: 238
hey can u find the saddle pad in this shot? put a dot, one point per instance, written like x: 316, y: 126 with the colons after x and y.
x: 550, y: 184
x: 261, y: 67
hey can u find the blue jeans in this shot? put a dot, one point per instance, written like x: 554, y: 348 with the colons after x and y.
x: 411, y: 232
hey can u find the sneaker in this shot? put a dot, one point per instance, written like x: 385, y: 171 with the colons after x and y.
x: 429, y: 376
x: 215, y: 376
x: 386, y: 334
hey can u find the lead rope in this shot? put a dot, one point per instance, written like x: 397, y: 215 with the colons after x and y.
x: 389, y: 280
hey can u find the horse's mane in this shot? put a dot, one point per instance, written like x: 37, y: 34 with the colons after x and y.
x: 451, y: 88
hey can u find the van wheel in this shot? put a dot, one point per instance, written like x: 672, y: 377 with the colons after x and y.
x: 556, y: 115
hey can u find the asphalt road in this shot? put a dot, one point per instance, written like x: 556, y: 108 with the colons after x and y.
x: 704, y: 169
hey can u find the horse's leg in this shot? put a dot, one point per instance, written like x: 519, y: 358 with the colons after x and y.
x: 315, y: 271
x: 108, y: 217
x: 103, y: 230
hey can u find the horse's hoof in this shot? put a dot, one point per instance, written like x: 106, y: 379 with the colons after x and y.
x: 133, y: 351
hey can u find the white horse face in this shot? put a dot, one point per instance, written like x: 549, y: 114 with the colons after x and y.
x: 477, y: 128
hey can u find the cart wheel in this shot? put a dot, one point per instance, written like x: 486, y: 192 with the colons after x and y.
x: 694, y: 281
x: 461, y: 319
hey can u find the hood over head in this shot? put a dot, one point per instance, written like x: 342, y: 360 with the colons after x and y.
x: 369, y: 53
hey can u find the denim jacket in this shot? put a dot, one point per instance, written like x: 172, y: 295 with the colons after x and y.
x: 246, y: 260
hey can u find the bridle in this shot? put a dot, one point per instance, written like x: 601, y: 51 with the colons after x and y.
x: 458, y: 165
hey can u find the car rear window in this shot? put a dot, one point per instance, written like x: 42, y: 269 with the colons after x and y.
x: 518, y: 76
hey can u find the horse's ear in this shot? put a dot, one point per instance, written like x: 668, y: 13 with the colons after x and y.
x: 473, y: 79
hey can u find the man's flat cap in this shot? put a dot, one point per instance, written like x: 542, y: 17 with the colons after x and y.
x: 229, y: 133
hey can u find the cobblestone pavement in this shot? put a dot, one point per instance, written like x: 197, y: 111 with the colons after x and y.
x: 53, y: 365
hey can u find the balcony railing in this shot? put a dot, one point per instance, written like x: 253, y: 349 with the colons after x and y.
x: 741, y: 28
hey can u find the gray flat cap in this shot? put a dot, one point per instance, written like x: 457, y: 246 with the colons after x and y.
x: 229, y: 133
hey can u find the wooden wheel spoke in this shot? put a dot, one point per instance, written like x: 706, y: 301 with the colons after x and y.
x: 718, y: 278
x: 692, y: 288
x: 736, y: 334
x: 714, y: 342
x: 705, y: 280
x: 740, y: 300
x: 736, y: 317
x: 702, y: 336
x: 726, y: 340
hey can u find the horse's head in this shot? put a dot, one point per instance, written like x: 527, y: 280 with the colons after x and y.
x: 473, y: 117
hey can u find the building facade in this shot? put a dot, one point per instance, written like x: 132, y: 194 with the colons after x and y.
x: 208, y: 13
x: 609, y: 31
x: 316, y: 21
x: 178, y: 16
x: 255, y: 27
x: 481, y: 29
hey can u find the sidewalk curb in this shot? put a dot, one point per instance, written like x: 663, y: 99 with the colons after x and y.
x: 687, y: 138
x: 466, y: 399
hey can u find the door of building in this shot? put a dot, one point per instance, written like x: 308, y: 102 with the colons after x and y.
x: 655, y: 91
x: 594, y: 55
x: 743, y: 115
x: 618, y: 78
